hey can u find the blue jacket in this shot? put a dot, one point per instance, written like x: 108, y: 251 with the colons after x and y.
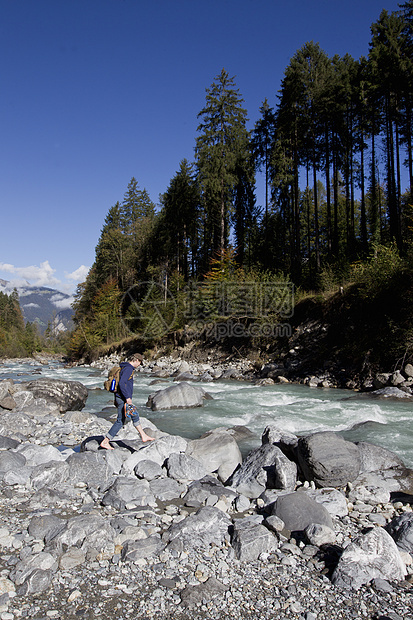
x: 125, y: 387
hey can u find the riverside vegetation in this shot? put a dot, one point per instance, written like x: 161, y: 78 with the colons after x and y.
x: 309, y: 528
x: 334, y: 210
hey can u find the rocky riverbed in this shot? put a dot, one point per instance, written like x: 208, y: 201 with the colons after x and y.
x: 312, y: 528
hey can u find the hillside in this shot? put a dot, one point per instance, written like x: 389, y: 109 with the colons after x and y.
x: 42, y: 305
x: 347, y: 336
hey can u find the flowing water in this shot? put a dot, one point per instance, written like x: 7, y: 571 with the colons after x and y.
x: 295, y: 408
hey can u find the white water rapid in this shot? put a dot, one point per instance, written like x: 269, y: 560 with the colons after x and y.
x: 296, y: 408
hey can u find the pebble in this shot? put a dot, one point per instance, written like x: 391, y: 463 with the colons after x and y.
x: 290, y: 584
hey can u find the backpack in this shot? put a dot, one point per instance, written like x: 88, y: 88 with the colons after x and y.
x: 112, y: 381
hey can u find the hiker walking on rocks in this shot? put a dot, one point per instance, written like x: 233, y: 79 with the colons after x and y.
x: 123, y: 401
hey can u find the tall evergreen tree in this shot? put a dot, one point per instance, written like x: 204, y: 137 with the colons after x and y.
x: 179, y: 221
x: 386, y: 54
x: 222, y: 142
x: 262, y: 145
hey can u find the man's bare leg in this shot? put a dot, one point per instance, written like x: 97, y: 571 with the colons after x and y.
x: 143, y: 435
x: 105, y: 444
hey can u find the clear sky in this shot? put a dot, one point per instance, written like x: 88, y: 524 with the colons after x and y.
x: 95, y: 92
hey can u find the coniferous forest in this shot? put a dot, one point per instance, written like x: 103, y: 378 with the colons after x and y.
x: 335, y: 155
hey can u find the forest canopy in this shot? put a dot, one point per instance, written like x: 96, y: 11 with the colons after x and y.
x: 335, y: 152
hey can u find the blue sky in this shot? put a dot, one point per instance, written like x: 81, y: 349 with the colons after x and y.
x: 95, y: 92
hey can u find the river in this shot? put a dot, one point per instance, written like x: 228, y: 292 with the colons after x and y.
x: 295, y: 408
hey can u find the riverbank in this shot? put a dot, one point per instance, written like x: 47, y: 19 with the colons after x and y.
x: 115, y: 554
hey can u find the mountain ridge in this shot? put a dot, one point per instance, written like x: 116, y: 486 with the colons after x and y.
x: 43, y: 306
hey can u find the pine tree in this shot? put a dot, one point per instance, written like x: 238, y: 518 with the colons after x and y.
x: 179, y: 221
x: 262, y: 145
x: 223, y: 140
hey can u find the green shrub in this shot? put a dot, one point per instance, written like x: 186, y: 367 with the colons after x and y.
x: 379, y: 270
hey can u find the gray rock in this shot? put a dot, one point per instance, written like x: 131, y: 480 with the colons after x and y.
x: 397, y: 378
x: 390, y: 392
x: 298, y: 510
x: 90, y: 531
x: 46, y: 527
x: 379, y: 484
x: 242, y: 503
x: 23, y: 398
x: 319, y: 535
x: 400, y: 529
x: 367, y: 489
x: 38, y: 455
x: 7, y: 443
x: 126, y: 491
x: 39, y: 408
x: 66, y: 395
x: 157, y: 451
x: 369, y: 556
x: 279, y: 437
x: 179, y: 396
x: 217, y: 451
x: 186, y: 376
x: 185, y: 467
x: 193, y: 596
x: 41, y: 561
x: 408, y: 370
x: 376, y: 458
x: 18, y: 476
x: 202, y: 491
x: 250, y: 541
x: 12, y: 423
x: 91, y: 468
x: 207, y: 526
x: 328, y: 459
x: 332, y: 499
x: 8, y: 402
x: 137, y: 550
x: 275, y: 524
x: 149, y: 470
x: 264, y: 467
x: 71, y: 558
x: 166, y: 489
x: 50, y: 475
x: 78, y: 417
x: 11, y: 461
x: 37, y: 581
x: 381, y: 380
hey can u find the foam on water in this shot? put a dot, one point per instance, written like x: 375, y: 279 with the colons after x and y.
x: 295, y: 408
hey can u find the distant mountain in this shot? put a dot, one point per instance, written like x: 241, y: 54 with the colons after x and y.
x: 43, y: 305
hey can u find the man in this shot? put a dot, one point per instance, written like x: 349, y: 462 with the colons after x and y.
x: 123, y: 398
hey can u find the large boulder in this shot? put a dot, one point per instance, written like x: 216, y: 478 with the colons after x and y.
x: 91, y: 531
x: 126, y: 491
x: 92, y: 468
x: 249, y: 540
x: 400, y: 529
x: 184, y: 467
x: 373, y: 555
x: 157, y: 451
x: 66, y: 395
x: 208, y: 526
x: 208, y: 491
x: 376, y: 458
x: 38, y: 455
x: 217, y: 451
x: 297, y: 510
x: 179, y: 396
x: 16, y: 425
x: 328, y: 459
x: 266, y: 467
